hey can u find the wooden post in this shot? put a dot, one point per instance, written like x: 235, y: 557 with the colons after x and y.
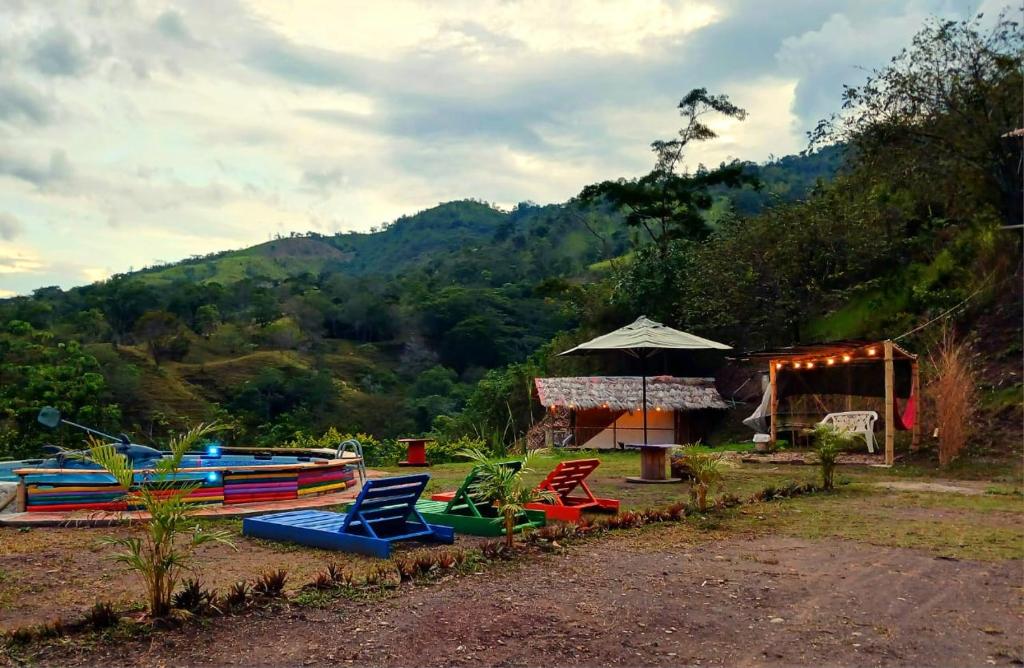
x: 21, y: 502
x: 915, y: 391
x: 890, y: 417
x: 849, y: 388
x: 774, y: 403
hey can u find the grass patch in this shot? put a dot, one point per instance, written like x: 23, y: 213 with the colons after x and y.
x: 893, y: 520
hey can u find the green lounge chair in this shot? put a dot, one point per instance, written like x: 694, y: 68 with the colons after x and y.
x: 466, y: 515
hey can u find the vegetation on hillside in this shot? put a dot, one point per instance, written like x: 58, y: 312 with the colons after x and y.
x: 440, y: 320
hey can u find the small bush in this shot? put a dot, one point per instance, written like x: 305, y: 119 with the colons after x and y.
x: 443, y: 451
x: 193, y: 597
x: 425, y: 563
x: 372, y: 578
x: 323, y: 581
x: 237, y: 597
x: 728, y: 501
x: 494, y: 549
x: 707, y: 470
x: 54, y: 629
x: 446, y: 560
x: 101, y: 616
x: 828, y: 443
x: 407, y: 567
x: 270, y: 584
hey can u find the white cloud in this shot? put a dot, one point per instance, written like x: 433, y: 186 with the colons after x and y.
x: 142, y: 131
x: 16, y: 259
x: 475, y: 26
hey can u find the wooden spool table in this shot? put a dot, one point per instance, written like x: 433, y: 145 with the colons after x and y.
x: 653, y: 460
x: 415, y: 451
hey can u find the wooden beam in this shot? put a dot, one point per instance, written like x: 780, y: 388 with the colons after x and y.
x: 915, y: 391
x: 774, y: 403
x: 890, y: 417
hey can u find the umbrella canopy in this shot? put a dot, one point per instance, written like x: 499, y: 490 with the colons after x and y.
x: 643, y: 338
x: 645, y: 333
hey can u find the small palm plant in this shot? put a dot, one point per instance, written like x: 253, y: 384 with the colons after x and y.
x: 503, y: 487
x: 708, y: 471
x: 828, y: 443
x: 166, y: 546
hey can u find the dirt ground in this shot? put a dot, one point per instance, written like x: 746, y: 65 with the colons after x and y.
x: 631, y: 600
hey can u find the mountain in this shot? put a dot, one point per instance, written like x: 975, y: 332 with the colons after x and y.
x: 378, y: 331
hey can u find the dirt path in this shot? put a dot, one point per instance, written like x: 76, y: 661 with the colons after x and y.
x: 624, y: 601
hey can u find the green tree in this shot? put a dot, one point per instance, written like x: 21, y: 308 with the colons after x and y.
x: 162, y: 333
x: 667, y: 203
x: 208, y: 318
x: 932, y: 121
x: 38, y: 370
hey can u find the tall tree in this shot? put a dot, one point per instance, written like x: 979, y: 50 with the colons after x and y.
x: 669, y: 202
x: 932, y: 121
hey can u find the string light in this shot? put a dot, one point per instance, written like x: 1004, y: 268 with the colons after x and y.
x: 846, y: 357
x: 810, y: 365
x: 830, y: 361
x: 779, y: 365
x: 871, y: 351
x: 796, y: 365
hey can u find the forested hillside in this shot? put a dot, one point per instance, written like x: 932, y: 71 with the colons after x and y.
x: 439, y: 320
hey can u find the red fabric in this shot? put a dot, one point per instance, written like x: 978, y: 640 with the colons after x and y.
x: 905, y: 420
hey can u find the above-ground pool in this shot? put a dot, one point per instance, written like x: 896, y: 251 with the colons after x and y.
x: 60, y: 484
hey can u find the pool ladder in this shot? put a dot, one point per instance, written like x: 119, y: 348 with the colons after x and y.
x: 357, y: 450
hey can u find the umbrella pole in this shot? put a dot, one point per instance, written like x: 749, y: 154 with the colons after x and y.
x: 643, y: 391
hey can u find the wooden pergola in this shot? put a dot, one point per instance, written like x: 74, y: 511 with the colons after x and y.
x: 825, y: 362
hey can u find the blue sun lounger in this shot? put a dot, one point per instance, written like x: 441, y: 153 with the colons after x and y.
x: 384, y: 512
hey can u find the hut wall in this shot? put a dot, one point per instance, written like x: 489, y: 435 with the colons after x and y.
x: 627, y: 428
x: 694, y: 426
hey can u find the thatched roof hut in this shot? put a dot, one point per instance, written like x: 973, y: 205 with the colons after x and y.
x: 604, y: 411
x: 623, y: 393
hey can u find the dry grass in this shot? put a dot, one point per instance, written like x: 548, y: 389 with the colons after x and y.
x: 954, y: 389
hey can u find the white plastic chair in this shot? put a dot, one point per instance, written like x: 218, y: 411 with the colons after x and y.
x: 855, y: 422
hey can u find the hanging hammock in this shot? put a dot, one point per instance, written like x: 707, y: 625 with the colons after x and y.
x: 905, y: 419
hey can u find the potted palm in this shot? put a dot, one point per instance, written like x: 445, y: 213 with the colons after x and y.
x: 503, y: 487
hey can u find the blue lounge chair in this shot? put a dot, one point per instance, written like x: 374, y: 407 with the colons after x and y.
x: 384, y: 512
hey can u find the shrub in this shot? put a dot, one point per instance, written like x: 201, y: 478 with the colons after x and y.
x: 828, y: 443
x: 193, y: 597
x: 375, y: 451
x: 237, y: 596
x: 707, y: 470
x: 407, y: 568
x: 954, y: 389
x: 443, y: 451
x: 102, y: 616
x: 447, y: 560
x: 323, y: 581
x: 493, y: 549
x: 270, y: 584
x: 503, y: 486
x: 168, y: 542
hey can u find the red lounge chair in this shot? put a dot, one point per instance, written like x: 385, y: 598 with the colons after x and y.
x: 562, y: 481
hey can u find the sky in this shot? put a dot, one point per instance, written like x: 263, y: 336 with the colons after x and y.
x: 136, y: 132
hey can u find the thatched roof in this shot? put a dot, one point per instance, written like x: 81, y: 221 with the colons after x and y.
x: 624, y: 393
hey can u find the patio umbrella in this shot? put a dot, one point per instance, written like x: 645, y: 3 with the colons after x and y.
x: 642, y: 339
